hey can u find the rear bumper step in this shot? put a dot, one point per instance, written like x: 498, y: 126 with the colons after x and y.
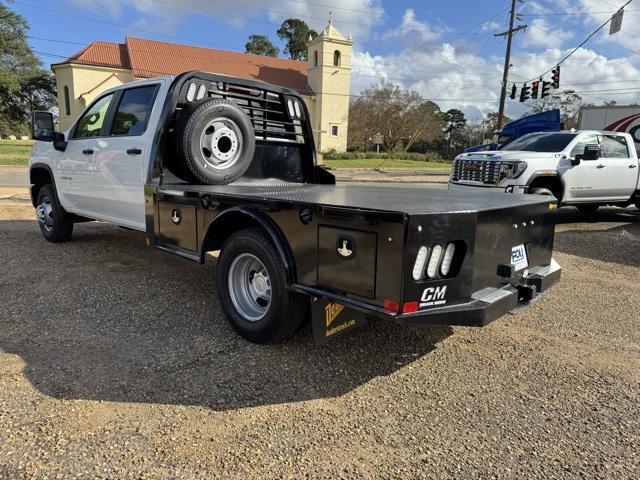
x: 490, y: 304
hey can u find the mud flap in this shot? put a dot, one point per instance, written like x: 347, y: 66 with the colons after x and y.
x: 331, y: 319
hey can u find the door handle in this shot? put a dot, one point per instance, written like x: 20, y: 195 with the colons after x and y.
x: 134, y: 151
x: 600, y: 166
x: 632, y: 166
x: 88, y: 151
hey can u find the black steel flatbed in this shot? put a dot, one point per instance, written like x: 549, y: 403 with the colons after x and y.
x: 410, y: 200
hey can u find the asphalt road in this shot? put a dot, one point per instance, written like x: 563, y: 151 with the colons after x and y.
x: 115, y: 362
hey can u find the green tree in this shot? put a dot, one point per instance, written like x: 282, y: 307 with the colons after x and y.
x: 261, y: 45
x: 24, y: 85
x: 402, y: 117
x: 296, y: 33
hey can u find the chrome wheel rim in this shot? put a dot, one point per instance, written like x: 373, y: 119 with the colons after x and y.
x: 249, y: 287
x: 44, y: 214
x: 220, y: 144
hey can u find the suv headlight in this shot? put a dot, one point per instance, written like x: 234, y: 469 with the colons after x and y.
x: 512, y: 169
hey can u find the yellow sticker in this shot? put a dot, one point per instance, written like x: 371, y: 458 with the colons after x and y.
x: 331, y: 311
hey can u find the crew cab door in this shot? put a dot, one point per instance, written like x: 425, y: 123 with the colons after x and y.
x: 120, y: 156
x: 588, y: 180
x: 621, y: 166
x: 76, y: 168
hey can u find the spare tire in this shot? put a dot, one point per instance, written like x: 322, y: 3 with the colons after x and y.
x: 215, y: 141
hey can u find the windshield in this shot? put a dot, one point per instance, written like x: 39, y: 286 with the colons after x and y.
x: 541, y: 142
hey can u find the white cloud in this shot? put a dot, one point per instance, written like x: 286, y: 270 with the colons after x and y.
x: 413, y: 29
x: 490, y: 27
x: 539, y: 34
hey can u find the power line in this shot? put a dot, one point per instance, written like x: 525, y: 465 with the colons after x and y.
x: 581, y: 44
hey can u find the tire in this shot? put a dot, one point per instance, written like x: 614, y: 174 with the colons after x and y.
x: 543, y: 191
x: 589, y: 209
x: 215, y: 142
x: 55, y: 224
x: 637, y: 203
x: 258, y: 321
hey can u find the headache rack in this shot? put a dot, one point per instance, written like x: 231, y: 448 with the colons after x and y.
x: 276, y: 117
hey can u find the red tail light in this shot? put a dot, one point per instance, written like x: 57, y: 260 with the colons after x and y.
x: 391, y: 306
x: 410, y: 307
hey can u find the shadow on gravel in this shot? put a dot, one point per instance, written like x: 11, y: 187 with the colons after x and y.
x: 104, y: 318
x: 619, y: 244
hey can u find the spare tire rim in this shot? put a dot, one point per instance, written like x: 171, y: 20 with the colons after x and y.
x: 249, y: 287
x: 220, y: 144
x: 44, y: 214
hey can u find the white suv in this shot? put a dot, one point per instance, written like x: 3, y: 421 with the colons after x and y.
x: 585, y: 168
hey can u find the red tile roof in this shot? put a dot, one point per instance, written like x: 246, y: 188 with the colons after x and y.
x: 151, y: 58
x: 104, y: 54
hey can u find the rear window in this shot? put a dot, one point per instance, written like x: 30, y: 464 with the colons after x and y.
x: 133, y: 111
x: 542, y: 142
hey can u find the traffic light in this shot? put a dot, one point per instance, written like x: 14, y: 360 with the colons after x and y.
x: 546, y: 86
x: 514, y: 90
x: 534, y: 89
x: 524, y: 93
x: 555, y: 77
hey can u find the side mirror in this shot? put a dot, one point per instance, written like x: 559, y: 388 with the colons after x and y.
x: 59, y: 143
x: 591, y: 152
x: 42, y: 126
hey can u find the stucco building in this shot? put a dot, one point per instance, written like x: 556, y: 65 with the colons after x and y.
x: 323, y: 80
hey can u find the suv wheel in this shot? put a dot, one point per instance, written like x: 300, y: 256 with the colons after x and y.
x: 54, y: 222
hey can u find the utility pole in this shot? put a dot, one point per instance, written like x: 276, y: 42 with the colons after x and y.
x: 507, y: 58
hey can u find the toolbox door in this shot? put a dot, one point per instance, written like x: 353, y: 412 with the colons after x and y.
x: 347, y: 260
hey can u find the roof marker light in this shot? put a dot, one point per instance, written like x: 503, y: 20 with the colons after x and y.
x: 201, y: 91
x: 448, y: 258
x: 191, y: 92
x: 432, y: 268
x: 418, y: 266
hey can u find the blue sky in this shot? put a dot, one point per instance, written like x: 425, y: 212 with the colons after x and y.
x: 446, y: 50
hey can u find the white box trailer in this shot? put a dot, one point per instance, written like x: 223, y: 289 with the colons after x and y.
x: 617, y: 119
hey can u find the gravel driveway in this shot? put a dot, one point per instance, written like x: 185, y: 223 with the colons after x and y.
x: 116, y: 362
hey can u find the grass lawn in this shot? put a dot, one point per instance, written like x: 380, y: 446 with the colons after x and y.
x: 15, y: 152
x: 391, y: 163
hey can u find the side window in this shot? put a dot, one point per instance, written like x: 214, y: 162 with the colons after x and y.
x: 91, y: 122
x: 614, y: 146
x: 583, y: 142
x: 133, y: 111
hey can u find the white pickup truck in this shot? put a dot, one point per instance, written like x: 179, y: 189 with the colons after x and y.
x: 203, y: 162
x: 585, y: 169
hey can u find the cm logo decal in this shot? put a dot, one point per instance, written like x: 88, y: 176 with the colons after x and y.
x: 433, y: 296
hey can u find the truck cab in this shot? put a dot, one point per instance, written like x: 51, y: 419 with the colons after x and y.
x: 582, y: 168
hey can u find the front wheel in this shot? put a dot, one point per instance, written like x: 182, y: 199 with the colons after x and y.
x: 252, y: 288
x: 54, y: 222
x: 637, y: 203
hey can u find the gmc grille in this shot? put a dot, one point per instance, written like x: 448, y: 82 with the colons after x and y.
x: 484, y: 171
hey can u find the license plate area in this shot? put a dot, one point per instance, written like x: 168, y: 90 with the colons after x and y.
x: 519, y: 257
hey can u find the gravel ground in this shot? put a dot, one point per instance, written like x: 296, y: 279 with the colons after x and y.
x: 115, y: 362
